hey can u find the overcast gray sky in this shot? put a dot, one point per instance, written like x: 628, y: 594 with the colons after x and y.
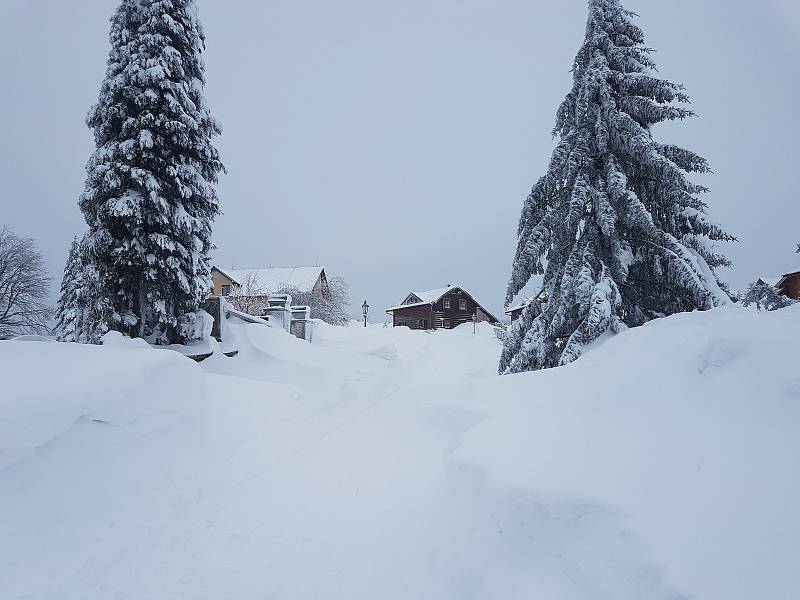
x: 394, y: 142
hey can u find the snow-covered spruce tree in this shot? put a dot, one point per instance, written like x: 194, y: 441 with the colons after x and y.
x: 67, y: 309
x: 619, y: 232
x: 150, y: 197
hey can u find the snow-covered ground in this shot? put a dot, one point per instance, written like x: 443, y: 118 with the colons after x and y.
x: 390, y: 464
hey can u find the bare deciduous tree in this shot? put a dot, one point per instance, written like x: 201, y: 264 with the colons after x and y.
x: 24, y: 286
x: 331, y: 306
x: 249, y: 297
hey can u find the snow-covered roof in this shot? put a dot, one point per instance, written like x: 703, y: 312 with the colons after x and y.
x: 433, y: 295
x: 518, y: 306
x: 773, y: 281
x: 532, y: 289
x: 274, y: 279
x: 427, y: 297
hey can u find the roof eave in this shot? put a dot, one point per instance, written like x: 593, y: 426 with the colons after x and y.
x: 226, y: 275
x: 404, y: 306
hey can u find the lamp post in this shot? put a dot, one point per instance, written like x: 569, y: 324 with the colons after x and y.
x: 475, y: 323
x: 365, y: 308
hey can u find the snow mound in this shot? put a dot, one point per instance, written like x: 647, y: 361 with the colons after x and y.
x: 682, y: 436
x: 396, y: 464
x: 53, y: 386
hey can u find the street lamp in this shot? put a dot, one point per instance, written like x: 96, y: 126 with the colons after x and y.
x: 475, y: 323
x: 365, y: 308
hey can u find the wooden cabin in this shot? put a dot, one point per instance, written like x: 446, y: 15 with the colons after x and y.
x: 789, y: 285
x: 515, y: 312
x: 444, y: 308
x: 534, y: 294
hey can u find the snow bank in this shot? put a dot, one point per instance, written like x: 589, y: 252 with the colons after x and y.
x: 51, y: 387
x: 391, y: 464
x: 683, y: 436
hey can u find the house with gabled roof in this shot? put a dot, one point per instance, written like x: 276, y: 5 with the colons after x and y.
x: 515, y: 311
x: 535, y: 294
x: 443, y: 308
x: 788, y: 284
x: 270, y: 280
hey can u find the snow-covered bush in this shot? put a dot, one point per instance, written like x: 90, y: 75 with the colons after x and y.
x: 196, y: 326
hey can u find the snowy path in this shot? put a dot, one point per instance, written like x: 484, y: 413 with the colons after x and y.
x: 362, y: 504
x: 396, y: 465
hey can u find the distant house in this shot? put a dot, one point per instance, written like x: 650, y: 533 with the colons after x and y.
x: 258, y: 282
x: 515, y: 312
x: 535, y: 287
x: 788, y: 284
x: 445, y: 308
x: 249, y: 290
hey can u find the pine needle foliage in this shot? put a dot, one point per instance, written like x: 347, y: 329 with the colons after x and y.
x: 150, y: 198
x: 620, y: 233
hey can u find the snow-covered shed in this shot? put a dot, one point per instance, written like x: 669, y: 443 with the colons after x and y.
x: 515, y: 311
x: 533, y: 292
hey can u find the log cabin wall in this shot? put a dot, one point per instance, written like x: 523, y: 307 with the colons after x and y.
x: 790, y: 286
x: 413, y: 317
x: 516, y: 313
x: 455, y: 308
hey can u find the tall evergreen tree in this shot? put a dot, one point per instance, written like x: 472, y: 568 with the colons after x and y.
x: 67, y: 308
x: 616, y: 227
x: 150, y: 197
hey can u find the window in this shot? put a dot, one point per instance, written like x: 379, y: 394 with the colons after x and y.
x: 462, y: 305
x: 226, y: 290
x: 447, y: 302
x: 446, y: 323
x: 423, y: 323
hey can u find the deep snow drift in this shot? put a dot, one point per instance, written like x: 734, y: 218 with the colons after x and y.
x: 379, y: 463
